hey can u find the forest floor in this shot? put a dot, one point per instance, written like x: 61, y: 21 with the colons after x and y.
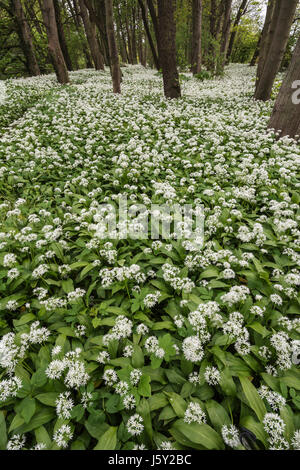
x: 193, y: 337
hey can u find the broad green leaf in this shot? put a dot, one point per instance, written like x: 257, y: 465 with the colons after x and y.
x: 200, y: 434
x: 109, y: 440
x: 217, y: 414
x: 3, y: 433
x: 253, y: 398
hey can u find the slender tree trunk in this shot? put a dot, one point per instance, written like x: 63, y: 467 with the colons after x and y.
x: 113, y: 51
x: 61, y: 35
x: 267, y: 35
x: 154, y: 19
x: 277, y: 49
x: 197, y: 36
x: 123, y: 38
x: 32, y: 15
x: 256, y: 52
x: 133, y: 37
x: 215, y: 18
x: 148, y: 33
x: 98, y: 13
x: 286, y: 114
x: 91, y: 34
x: 53, y: 42
x: 167, y: 34
x: 225, y: 35
x: 25, y: 37
x: 128, y: 40
x: 241, y: 11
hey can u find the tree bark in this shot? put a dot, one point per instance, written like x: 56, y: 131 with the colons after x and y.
x: 286, y: 114
x: 197, y: 7
x: 241, y: 11
x: 91, y: 34
x: 167, y: 35
x: 215, y: 17
x: 97, y: 12
x: 53, y: 42
x: 277, y: 49
x: 112, y: 45
x: 267, y: 35
x: 25, y: 38
x: 148, y: 33
x: 155, y: 22
x: 61, y: 36
x: 133, y: 37
x: 225, y: 35
x: 256, y: 52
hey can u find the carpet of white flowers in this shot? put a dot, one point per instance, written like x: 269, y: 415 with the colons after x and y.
x: 142, y: 344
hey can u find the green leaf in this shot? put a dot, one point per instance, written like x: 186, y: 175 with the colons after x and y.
x: 137, y: 357
x: 248, y: 422
x: 48, y: 398
x: 40, y: 418
x: 217, y: 414
x: 157, y: 401
x: 200, y: 434
x: 42, y: 437
x: 178, y: 403
x: 3, y: 434
x: 108, y: 441
x: 27, y: 409
x: 144, y: 387
x: 143, y: 409
x: 67, y: 285
x: 227, y: 383
x: 291, y: 379
x: 39, y: 378
x: 253, y: 398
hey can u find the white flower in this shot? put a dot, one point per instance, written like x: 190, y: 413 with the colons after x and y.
x: 135, y: 425
x: 122, y: 388
x: 135, y: 376
x: 192, y: 349
x: 110, y: 377
x: 103, y: 357
x: 16, y: 442
x: 64, y: 405
x: 296, y: 440
x: 194, y: 414
x: 62, y: 436
x: 212, y: 375
x: 231, y: 435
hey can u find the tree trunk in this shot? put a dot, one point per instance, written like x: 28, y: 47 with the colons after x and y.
x: 123, y: 38
x: 197, y: 37
x: 112, y: 45
x: 154, y: 18
x: 167, y: 35
x: 53, y: 42
x: 215, y: 17
x: 267, y: 35
x: 148, y: 33
x: 277, y: 49
x: 225, y: 35
x: 91, y: 34
x: 286, y: 114
x: 240, y: 14
x: 256, y: 52
x: 25, y: 38
x: 61, y: 36
x: 133, y: 37
x: 97, y: 12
